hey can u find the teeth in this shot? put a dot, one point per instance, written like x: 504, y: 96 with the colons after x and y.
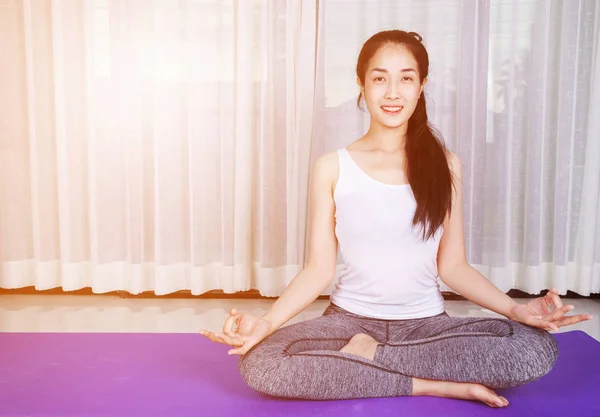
x: 391, y: 108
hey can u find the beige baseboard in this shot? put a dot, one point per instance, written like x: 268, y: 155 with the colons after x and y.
x: 218, y: 294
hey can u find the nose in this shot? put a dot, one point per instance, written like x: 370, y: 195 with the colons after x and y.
x: 392, y: 91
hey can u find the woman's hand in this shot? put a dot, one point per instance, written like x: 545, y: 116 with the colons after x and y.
x: 241, y: 331
x: 536, y: 313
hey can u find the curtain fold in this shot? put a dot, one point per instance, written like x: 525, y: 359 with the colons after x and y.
x: 539, y: 107
x: 513, y: 90
x: 165, y: 146
x: 155, y: 146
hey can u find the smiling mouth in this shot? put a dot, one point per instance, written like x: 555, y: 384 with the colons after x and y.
x: 392, y: 109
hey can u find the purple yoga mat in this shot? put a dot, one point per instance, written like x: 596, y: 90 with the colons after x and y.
x: 145, y: 375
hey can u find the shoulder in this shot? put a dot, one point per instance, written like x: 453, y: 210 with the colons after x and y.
x: 454, y: 164
x: 329, y: 158
x: 327, y: 163
x: 326, y: 168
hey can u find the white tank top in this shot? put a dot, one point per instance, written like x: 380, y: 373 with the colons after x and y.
x: 389, y: 272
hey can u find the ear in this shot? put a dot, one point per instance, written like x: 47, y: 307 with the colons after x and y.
x: 362, y: 87
x: 423, y: 86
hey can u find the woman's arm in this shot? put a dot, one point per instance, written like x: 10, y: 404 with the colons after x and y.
x: 320, y: 269
x: 453, y: 268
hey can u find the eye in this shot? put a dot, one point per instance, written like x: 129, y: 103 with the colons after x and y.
x: 409, y: 79
x: 378, y: 79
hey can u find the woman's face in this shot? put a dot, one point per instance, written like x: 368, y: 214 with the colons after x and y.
x: 392, y: 87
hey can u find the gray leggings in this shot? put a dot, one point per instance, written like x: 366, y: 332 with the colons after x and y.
x: 302, y: 360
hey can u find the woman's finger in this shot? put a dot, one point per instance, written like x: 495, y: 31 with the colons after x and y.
x: 212, y: 336
x: 548, y: 325
x: 241, y: 350
x: 558, y: 313
x: 235, y: 340
x: 553, y: 295
x: 567, y: 321
x: 222, y: 338
x: 536, y: 321
x: 230, y: 326
x: 235, y: 352
x: 551, y: 326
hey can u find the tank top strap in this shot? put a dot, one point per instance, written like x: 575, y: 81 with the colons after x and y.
x: 348, y: 178
x: 346, y: 162
x: 348, y: 167
x: 342, y: 155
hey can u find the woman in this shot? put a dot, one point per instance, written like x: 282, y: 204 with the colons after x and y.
x: 392, y: 202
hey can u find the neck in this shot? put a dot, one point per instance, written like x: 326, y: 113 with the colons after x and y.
x: 386, y: 139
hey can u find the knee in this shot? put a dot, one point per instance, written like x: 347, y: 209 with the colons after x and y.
x: 546, y: 352
x: 256, y: 370
x: 250, y: 371
x: 540, y: 353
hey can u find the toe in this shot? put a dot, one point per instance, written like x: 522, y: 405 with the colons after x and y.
x: 495, y: 400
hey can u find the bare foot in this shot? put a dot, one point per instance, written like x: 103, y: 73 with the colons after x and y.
x: 364, y: 345
x: 460, y: 390
x: 361, y: 345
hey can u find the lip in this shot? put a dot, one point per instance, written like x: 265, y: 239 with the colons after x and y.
x: 392, y: 110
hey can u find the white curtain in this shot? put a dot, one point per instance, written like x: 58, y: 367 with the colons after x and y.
x: 531, y: 156
x: 154, y: 145
x: 164, y: 146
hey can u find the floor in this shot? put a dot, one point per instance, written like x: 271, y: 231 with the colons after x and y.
x: 79, y: 313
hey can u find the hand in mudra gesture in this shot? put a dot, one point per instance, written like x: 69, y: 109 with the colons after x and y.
x: 537, y: 313
x: 241, y: 331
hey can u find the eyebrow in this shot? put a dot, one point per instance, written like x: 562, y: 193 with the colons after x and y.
x: 384, y: 70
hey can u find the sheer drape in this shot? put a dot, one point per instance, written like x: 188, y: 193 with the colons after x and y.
x: 155, y: 145
x: 161, y: 146
x: 530, y: 199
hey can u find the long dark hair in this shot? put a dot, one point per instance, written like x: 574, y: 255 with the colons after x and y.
x: 427, y: 158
